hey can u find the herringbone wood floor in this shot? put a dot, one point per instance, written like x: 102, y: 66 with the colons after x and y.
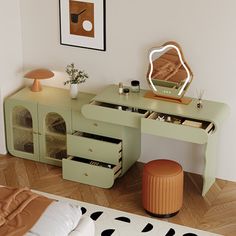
x: 216, y: 212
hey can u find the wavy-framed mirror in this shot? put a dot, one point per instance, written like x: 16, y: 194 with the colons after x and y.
x: 169, y: 76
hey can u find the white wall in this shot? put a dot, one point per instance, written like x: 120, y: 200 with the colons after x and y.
x: 205, y: 29
x: 11, y: 61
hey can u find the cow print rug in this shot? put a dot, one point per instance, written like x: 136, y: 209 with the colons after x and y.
x: 110, y: 222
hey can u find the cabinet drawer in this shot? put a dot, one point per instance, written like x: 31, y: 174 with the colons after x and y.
x: 80, y: 170
x: 94, y: 147
x: 93, y: 126
x: 151, y: 125
x: 115, y: 114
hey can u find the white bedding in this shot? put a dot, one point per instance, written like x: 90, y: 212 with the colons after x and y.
x: 62, y: 219
x: 86, y: 227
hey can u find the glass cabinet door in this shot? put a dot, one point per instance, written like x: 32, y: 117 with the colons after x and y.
x: 53, y: 127
x: 55, y: 136
x: 22, y: 129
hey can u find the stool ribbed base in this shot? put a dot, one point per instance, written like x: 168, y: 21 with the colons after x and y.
x: 162, y: 215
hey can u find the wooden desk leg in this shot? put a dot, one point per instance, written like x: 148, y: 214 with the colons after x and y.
x: 210, y: 163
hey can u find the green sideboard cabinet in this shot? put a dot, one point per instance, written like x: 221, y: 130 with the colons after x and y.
x: 48, y: 126
x: 98, y: 138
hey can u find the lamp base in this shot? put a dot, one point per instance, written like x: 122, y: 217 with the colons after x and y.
x: 36, y: 87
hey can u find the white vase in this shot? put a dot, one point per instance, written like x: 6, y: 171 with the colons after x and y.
x: 74, y: 91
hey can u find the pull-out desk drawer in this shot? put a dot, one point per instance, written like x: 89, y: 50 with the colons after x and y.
x: 84, y: 171
x: 114, y: 113
x: 94, y: 147
x: 151, y: 125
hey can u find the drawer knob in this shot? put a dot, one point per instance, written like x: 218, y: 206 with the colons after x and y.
x: 85, y: 174
x: 95, y: 124
x: 90, y: 150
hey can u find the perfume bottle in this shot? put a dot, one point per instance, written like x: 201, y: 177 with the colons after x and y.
x: 120, y: 90
x: 199, y: 101
x: 199, y: 104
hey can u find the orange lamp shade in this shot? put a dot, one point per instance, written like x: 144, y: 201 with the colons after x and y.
x: 37, y: 75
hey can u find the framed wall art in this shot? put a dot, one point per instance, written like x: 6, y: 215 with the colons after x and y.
x: 82, y: 23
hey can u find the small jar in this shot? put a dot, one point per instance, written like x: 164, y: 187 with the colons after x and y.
x: 135, y: 88
x: 126, y: 91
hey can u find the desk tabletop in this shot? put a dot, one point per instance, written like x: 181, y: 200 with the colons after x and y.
x: 212, y: 111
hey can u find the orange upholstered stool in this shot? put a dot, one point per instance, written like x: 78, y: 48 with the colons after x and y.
x: 162, y: 188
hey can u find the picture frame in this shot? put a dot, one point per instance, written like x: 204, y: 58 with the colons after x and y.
x: 82, y: 23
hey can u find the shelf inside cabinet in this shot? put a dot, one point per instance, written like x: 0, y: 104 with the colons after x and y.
x: 56, y: 135
x: 23, y: 128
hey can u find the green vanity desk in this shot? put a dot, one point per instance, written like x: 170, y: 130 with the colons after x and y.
x: 145, y: 114
x: 98, y: 138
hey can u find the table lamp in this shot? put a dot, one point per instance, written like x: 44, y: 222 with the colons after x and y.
x: 37, y: 75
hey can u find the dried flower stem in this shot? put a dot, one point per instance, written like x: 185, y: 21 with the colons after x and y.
x: 75, y: 76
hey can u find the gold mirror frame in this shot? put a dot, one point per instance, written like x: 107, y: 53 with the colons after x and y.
x: 169, y: 76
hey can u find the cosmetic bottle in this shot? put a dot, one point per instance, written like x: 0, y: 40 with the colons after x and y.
x: 135, y: 87
x: 120, y: 90
x: 126, y: 92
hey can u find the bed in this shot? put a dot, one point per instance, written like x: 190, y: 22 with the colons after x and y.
x: 23, y: 212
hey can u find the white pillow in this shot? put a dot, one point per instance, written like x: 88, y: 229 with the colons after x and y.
x: 59, y: 219
x: 86, y: 227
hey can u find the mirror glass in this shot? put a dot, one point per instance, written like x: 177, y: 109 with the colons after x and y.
x: 168, y: 73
